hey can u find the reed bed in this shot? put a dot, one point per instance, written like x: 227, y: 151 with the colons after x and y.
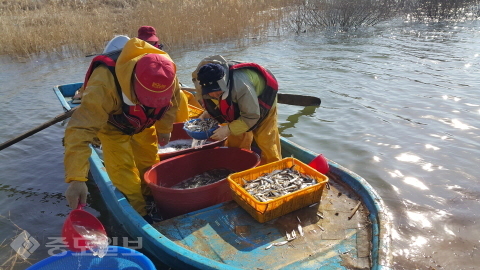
x: 83, y: 27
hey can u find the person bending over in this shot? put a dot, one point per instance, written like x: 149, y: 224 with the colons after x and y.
x: 242, y: 95
x: 127, y: 104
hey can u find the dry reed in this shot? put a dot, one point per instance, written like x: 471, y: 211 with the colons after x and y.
x: 82, y: 27
x: 14, y: 259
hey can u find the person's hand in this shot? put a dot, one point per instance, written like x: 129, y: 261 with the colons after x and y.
x: 163, y: 138
x: 204, y: 115
x: 221, y: 133
x: 76, y: 193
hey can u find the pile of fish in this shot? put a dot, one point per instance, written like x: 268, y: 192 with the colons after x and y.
x: 203, y: 179
x: 174, y: 146
x: 277, y: 183
x: 199, y: 125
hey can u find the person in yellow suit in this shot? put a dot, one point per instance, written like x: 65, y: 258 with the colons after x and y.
x: 127, y: 104
x: 188, y: 106
x: 242, y: 95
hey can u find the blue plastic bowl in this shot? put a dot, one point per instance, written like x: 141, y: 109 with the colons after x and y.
x: 116, y: 258
x: 199, y: 135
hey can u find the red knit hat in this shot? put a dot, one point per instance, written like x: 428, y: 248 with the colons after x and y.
x: 154, y: 80
x: 147, y: 33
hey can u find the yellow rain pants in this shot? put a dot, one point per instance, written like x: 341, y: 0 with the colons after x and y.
x: 265, y: 135
x: 127, y: 158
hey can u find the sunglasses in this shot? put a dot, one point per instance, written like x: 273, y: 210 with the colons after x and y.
x: 160, y: 46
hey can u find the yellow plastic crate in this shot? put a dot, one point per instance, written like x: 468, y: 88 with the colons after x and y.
x: 266, y: 211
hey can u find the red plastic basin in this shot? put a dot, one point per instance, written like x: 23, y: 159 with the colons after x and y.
x: 178, y: 133
x: 165, y: 174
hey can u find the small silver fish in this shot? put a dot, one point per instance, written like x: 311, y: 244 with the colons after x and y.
x: 294, y: 235
x: 280, y: 243
x: 300, y: 229
x: 287, y: 236
x: 205, y: 178
x: 201, y: 125
x: 278, y: 183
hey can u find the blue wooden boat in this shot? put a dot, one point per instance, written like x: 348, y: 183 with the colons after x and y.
x: 224, y: 236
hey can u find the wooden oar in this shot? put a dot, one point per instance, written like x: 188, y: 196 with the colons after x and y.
x: 289, y: 99
x: 298, y: 100
x: 43, y: 126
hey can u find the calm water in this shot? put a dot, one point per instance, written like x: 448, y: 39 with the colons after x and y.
x: 400, y: 107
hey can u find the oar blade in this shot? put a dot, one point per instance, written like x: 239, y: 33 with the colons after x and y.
x: 289, y: 99
x: 298, y: 100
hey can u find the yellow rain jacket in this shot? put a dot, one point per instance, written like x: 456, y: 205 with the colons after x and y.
x: 188, y: 107
x: 126, y: 157
x: 247, y: 86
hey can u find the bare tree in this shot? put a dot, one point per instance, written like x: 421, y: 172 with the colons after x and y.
x: 342, y: 14
x: 351, y: 14
x: 441, y: 9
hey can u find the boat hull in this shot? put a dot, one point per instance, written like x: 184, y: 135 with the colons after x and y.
x: 159, y: 241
